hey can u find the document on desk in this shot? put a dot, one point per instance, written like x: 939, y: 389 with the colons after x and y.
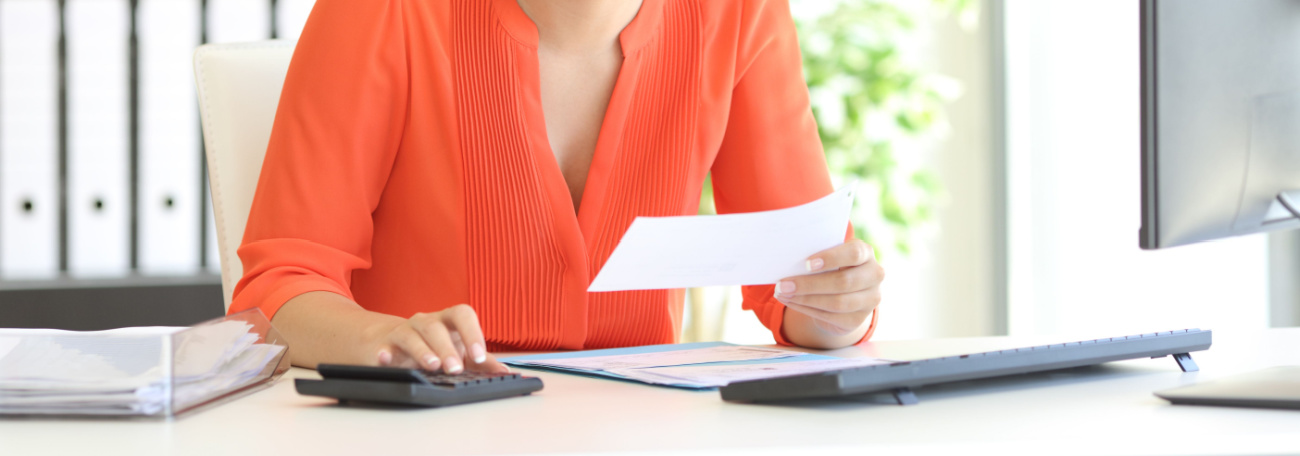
x: 668, y: 358
x: 752, y: 248
x: 719, y: 375
x: 697, y: 365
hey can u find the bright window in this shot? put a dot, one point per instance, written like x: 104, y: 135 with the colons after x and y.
x: 1073, y: 190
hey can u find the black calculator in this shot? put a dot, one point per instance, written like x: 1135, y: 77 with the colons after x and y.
x: 392, y: 385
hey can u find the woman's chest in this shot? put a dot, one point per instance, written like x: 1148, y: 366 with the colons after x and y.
x: 575, y: 93
x: 635, y: 131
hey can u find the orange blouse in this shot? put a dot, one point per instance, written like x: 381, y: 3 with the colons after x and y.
x: 409, y: 168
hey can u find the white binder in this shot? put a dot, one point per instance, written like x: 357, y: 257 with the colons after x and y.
x: 99, y: 216
x: 169, y: 198
x: 29, y: 216
x: 238, y: 20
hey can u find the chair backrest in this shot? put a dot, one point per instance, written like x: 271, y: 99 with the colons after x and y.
x: 239, y: 88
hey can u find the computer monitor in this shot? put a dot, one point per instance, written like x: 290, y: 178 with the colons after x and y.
x: 1221, y: 139
x: 1220, y: 119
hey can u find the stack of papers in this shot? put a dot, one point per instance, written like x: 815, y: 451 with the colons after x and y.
x: 700, y: 365
x: 128, y: 371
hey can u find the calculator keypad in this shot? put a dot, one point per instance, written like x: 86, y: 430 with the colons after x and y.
x: 465, y: 379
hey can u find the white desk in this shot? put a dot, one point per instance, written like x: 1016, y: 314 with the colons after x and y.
x: 1096, y: 410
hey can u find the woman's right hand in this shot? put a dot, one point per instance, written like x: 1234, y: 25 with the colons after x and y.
x: 450, y: 340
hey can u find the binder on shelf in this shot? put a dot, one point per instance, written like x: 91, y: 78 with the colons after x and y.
x: 143, y: 372
x: 29, y: 141
x: 169, y: 195
x: 238, y: 20
x: 99, y: 128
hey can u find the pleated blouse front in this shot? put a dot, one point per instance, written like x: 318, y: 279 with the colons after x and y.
x: 409, y: 167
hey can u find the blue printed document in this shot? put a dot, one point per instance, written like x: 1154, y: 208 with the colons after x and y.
x: 696, y: 365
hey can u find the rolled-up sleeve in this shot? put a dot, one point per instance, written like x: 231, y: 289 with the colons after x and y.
x: 336, y: 133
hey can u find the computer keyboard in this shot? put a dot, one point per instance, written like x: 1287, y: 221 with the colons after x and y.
x: 900, y: 377
x: 413, y: 386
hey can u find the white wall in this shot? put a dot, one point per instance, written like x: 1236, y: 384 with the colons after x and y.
x: 959, y: 279
x: 1073, y: 190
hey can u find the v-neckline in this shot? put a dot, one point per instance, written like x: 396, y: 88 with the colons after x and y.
x: 585, y: 218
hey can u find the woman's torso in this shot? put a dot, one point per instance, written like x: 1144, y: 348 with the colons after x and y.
x: 474, y: 208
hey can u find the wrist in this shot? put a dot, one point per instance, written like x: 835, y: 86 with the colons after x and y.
x: 802, y: 330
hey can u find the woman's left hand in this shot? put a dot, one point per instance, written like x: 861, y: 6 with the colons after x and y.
x: 842, y: 291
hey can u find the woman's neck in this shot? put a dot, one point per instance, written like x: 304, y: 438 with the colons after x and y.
x: 580, y: 26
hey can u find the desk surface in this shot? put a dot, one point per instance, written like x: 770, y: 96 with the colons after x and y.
x: 1091, y: 410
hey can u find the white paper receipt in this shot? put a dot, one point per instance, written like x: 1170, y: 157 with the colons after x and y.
x: 668, y: 358
x: 754, y: 248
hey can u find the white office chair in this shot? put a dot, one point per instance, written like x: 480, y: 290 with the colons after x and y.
x: 239, y: 88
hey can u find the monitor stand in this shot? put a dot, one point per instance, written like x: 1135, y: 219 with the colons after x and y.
x: 1285, y: 208
x: 1287, y: 203
x: 1277, y: 387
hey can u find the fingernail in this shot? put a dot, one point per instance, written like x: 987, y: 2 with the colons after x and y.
x: 385, y: 358
x: 431, y: 361
x: 453, y: 366
x: 480, y: 353
x: 785, y: 286
x: 815, y: 264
